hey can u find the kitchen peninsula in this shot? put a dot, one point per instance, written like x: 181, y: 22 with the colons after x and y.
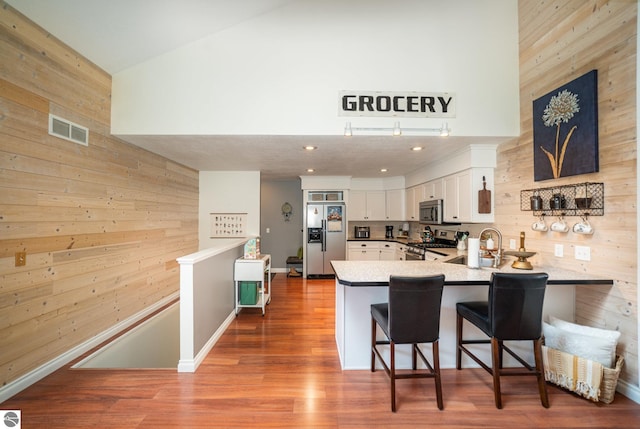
x: 362, y: 283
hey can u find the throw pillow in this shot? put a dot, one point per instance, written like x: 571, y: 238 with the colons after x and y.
x: 586, y: 346
x: 608, y: 335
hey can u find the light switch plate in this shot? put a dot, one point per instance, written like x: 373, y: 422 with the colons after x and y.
x: 559, y: 250
x: 512, y: 243
x: 583, y: 253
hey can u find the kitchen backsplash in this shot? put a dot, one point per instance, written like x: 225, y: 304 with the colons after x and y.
x: 377, y: 228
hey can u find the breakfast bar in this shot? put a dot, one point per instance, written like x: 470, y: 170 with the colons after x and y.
x: 362, y: 283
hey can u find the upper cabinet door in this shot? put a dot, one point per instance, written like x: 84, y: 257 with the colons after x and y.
x: 357, y: 205
x: 395, y: 205
x: 460, y: 193
x: 367, y: 205
x: 411, y: 203
x: 376, y: 205
x: 433, y: 190
x: 463, y: 182
x: 450, y: 195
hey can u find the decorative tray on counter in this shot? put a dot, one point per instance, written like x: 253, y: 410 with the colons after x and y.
x: 521, y: 263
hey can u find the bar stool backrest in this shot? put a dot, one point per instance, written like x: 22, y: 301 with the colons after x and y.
x: 414, y: 308
x: 515, y: 305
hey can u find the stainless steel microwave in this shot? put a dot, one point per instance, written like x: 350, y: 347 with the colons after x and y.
x: 431, y: 212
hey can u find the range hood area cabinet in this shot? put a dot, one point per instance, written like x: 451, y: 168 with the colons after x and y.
x: 460, y: 195
x: 424, y: 192
x: 376, y: 205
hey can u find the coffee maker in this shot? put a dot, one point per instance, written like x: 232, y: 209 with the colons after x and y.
x: 389, y: 231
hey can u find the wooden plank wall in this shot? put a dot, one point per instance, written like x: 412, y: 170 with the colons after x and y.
x: 102, y: 225
x: 559, y: 41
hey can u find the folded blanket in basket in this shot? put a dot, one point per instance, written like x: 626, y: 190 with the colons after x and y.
x: 574, y: 373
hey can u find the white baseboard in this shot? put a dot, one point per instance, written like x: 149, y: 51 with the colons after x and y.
x: 191, y: 365
x: 630, y: 391
x: 16, y: 386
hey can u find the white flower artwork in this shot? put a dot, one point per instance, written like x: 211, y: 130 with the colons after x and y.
x: 565, y: 130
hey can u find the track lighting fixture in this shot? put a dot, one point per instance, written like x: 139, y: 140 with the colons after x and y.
x: 397, y: 130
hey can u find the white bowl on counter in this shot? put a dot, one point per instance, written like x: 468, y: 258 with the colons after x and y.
x: 486, y: 262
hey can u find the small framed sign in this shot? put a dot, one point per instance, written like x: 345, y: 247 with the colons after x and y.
x: 228, y: 225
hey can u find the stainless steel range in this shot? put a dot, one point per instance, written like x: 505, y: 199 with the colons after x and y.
x: 420, y: 251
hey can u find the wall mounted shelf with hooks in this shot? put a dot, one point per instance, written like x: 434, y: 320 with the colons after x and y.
x: 580, y: 199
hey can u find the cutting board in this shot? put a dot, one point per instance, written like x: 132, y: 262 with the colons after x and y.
x: 484, y: 198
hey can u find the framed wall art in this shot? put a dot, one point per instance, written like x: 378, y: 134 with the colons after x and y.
x: 565, y: 130
x: 228, y: 225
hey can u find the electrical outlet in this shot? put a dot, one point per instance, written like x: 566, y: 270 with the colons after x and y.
x: 583, y: 253
x: 268, y: 230
x: 21, y: 259
x: 512, y: 243
x: 559, y: 250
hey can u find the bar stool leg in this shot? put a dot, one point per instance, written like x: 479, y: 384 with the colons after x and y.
x: 436, y: 369
x: 458, y: 341
x: 496, y: 366
x: 414, y: 356
x: 542, y: 385
x: 392, y: 375
x: 373, y: 344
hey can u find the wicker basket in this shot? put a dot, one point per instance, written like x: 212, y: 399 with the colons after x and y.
x: 609, y: 381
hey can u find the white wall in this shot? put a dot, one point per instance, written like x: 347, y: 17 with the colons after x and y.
x: 280, y: 74
x: 228, y: 192
x: 284, y: 237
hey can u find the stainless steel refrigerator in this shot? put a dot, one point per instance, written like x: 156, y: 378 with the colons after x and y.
x: 326, y: 237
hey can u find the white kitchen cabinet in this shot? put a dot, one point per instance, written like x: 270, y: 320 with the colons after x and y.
x: 363, y: 251
x: 387, y: 251
x: 374, y: 251
x: 433, y: 190
x: 460, y: 194
x: 413, y: 196
x: 395, y: 206
x: 367, y: 205
x: 400, y: 251
x: 457, y: 197
x: 357, y: 205
x: 450, y: 196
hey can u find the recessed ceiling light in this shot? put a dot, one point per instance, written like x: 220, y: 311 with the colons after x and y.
x: 383, y: 170
x: 309, y: 147
x: 416, y: 148
x: 310, y: 170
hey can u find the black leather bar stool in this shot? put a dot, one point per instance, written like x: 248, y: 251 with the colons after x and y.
x: 412, y: 316
x: 513, y: 312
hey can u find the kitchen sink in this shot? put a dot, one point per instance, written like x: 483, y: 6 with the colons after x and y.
x: 462, y: 260
x: 459, y: 260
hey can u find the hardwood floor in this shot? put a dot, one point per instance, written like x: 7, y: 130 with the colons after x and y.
x: 282, y: 370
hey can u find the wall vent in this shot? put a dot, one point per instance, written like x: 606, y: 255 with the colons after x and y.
x: 67, y: 130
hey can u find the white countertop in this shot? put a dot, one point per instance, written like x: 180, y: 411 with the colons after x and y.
x: 376, y: 273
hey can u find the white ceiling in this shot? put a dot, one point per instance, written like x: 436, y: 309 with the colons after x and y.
x: 283, y: 157
x: 117, y: 34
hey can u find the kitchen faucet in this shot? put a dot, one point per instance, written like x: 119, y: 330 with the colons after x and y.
x: 497, y: 257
